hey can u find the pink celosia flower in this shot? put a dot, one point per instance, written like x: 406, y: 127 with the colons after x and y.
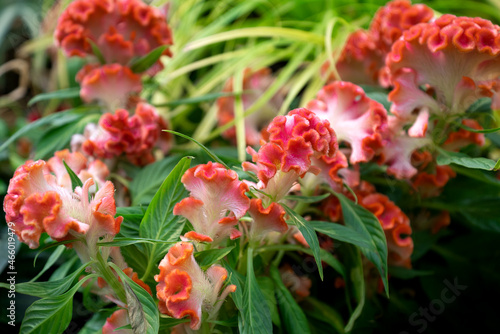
x: 356, y: 119
x: 121, y: 133
x: 122, y: 29
x: 217, y: 200
x: 362, y: 59
x: 450, y: 56
x: 185, y: 290
x: 461, y: 138
x: 116, y: 320
x: 96, y: 170
x: 293, y: 140
x: 36, y: 204
x: 265, y: 220
x: 254, y: 85
x: 113, y: 85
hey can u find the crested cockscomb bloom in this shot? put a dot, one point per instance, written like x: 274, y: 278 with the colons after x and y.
x: 185, y: 290
x: 112, y: 85
x: 463, y: 137
x: 121, y: 133
x: 118, y: 319
x: 96, y: 170
x: 356, y: 119
x: 35, y: 203
x: 121, y: 29
x: 362, y: 59
x: 450, y: 57
x: 431, y: 178
x: 255, y: 83
x: 333, y: 171
x: 217, y: 201
x: 265, y: 220
x: 293, y: 140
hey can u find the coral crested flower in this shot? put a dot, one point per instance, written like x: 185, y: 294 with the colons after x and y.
x: 254, y: 84
x: 362, y: 59
x: 121, y: 29
x: 266, y: 219
x: 451, y: 56
x: 217, y: 201
x: 431, y: 178
x: 122, y: 133
x: 35, y: 203
x: 356, y: 119
x: 116, y: 320
x: 293, y: 140
x: 113, y: 85
x: 463, y: 137
x: 185, y: 290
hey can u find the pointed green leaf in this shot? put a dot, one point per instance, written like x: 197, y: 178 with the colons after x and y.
x: 67, y: 93
x: 293, y: 317
x: 309, y: 234
x: 75, y: 180
x: 340, y: 232
x: 355, y: 282
x: 461, y: 159
x: 208, y: 257
x: 52, y: 259
x: 142, y: 64
x: 307, y: 199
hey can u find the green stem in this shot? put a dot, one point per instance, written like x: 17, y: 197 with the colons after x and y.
x: 102, y: 268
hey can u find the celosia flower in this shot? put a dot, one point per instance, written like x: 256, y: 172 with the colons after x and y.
x: 265, y: 220
x: 217, y: 200
x: 121, y: 133
x: 121, y: 29
x: 254, y: 85
x: 293, y: 141
x: 362, y: 59
x: 185, y: 290
x: 299, y: 285
x: 451, y: 56
x: 462, y: 138
x: 116, y: 320
x: 431, y: 178
x: 36, y: 204
x: 356, y: 119
x: 96, y: 170
x: 113, y: 85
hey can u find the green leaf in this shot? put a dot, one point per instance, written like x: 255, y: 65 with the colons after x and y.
x: 51, y: 121
x: 446, y: 158
x: 75, y: 180
x: 47, y: 289
x: 96, y: 51
x: 479, y: 131
x: 405, y: 273
x: 208, y: 257
x: 309, y: 234
x: 355, y: 282
x: 125, y: 241
x: 168, y: 322
x: 323, y: 312
x: 203, y: 147
x: 67, y: 93
x: 159, y: 222
x: 369, y: 229
x: 142, y: 64
x: 52, y: 314
x: 293, y: 317
x: 197, y: 99
x: 255, y: 315
x: 145, y: 184
x: 307, y: 199
x: 380, y: 97
x: 52, y: 259
x: 266, y: 285
x: 341, y: 232
x: 142, y: 310
x: 237, y: 279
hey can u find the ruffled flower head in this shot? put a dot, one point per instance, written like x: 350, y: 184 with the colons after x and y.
x: 122, y: 133
x: 36, y: 204
x: 116, y: 320
x: 185, y: 290
x: 431, y: 178
x: 356, y: 119
x: 254, y: 85
x: 265, y: 220
x: 463, y: 137
x: 293, y: 140
x: 113, y: 85
x: 451, y: 57
x: 121, y: 29
x: 217, y: 201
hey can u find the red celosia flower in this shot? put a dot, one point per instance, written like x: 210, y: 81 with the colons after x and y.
x: 254, y: 85
x: 113, y: 85
x: 116, y: 320
x: 35, y: 203
x: 362, y: 59
x: 185, y: 290
x: 217, y: 200
x: 265, y: 220
x: 122, y: 29
x: 356, y: 119
x: 461, y: 138
x: 451, y: 56
x: 120, y: 133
